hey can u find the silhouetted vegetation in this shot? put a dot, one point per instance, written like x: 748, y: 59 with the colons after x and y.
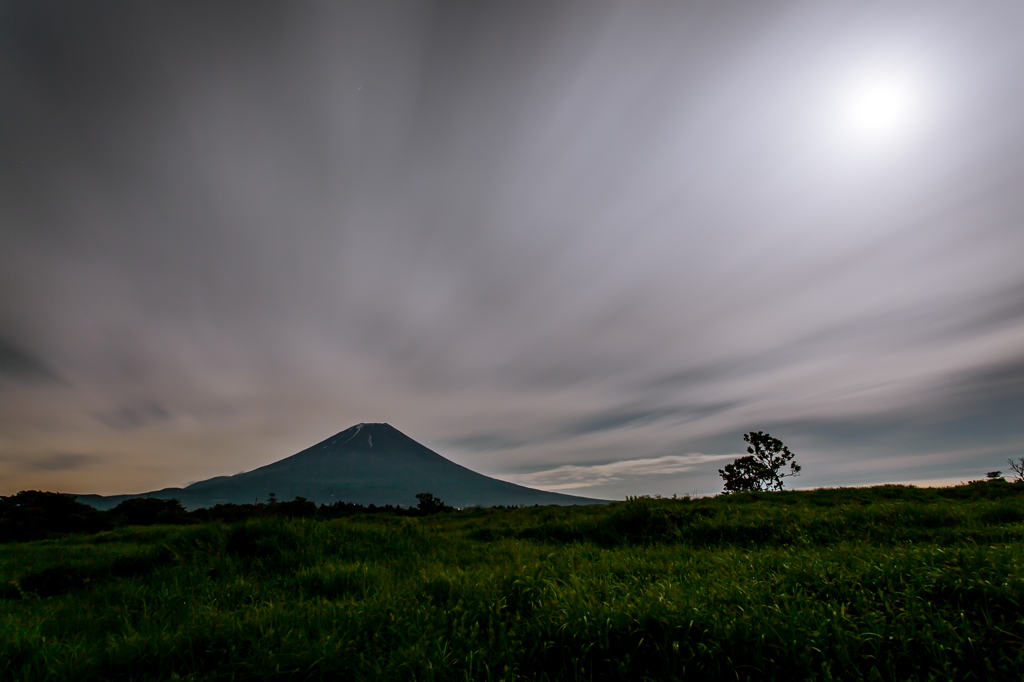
x: 428, y: 504
x: 762, y: 469
x: 146, y: 511
x: 1017, y: 467
x: 32, y: 514
x: 884, y: 583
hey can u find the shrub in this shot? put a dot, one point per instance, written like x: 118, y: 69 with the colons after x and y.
x: 147, y: 511
x: 33, y: 514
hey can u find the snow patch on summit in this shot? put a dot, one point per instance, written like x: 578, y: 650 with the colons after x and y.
x: 358, y: 427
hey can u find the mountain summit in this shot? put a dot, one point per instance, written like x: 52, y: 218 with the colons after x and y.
x: 364, y: 464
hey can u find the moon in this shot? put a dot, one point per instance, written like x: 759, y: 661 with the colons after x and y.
x: 881, y: 107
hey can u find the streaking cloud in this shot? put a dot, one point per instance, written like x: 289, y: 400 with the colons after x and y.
x: 572, y: 476
x: 531, y: 235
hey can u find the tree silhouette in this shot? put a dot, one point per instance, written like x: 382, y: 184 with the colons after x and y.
x: 428, y: 504
x: 146, y: 511
x: 1017, y: 466
x: 743, y: 475
x: 762, y: 469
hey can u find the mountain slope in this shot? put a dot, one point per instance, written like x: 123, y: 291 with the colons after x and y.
x: 365, y: 464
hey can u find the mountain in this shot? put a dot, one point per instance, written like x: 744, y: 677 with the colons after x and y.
x: 365, y: 464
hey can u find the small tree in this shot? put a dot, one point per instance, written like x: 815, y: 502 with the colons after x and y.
x: 1017, y: 466
x: 762, y: 469
x: 428, y: 504
x: 994, y: 475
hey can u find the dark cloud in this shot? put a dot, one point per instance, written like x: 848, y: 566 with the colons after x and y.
x: 491, y: 441
x: 134, y: 416
x: 1003, y: 380
x: 615, y: 420
x: 619, y: 419
x: 601, y: 421
x: 20, y: 365
x: 62, y: 462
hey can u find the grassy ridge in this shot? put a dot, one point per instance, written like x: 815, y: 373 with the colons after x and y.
x: 886, y: 583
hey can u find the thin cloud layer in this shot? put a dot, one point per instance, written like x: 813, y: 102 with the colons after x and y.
x: 531, y: 236
x: 572, y: 476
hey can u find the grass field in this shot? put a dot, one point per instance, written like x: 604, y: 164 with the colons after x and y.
x: 886, y: 583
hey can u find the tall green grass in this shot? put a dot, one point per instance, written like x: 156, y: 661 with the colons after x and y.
x: 882, y: 584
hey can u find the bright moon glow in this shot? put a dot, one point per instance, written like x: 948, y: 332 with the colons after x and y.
x: 880, y: 107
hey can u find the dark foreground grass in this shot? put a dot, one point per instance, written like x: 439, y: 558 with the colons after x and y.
x: 879, y: 584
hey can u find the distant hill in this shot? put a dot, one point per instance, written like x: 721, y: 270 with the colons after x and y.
x: 365, y: 464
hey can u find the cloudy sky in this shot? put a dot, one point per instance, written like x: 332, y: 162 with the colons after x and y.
x: 579, y: 246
